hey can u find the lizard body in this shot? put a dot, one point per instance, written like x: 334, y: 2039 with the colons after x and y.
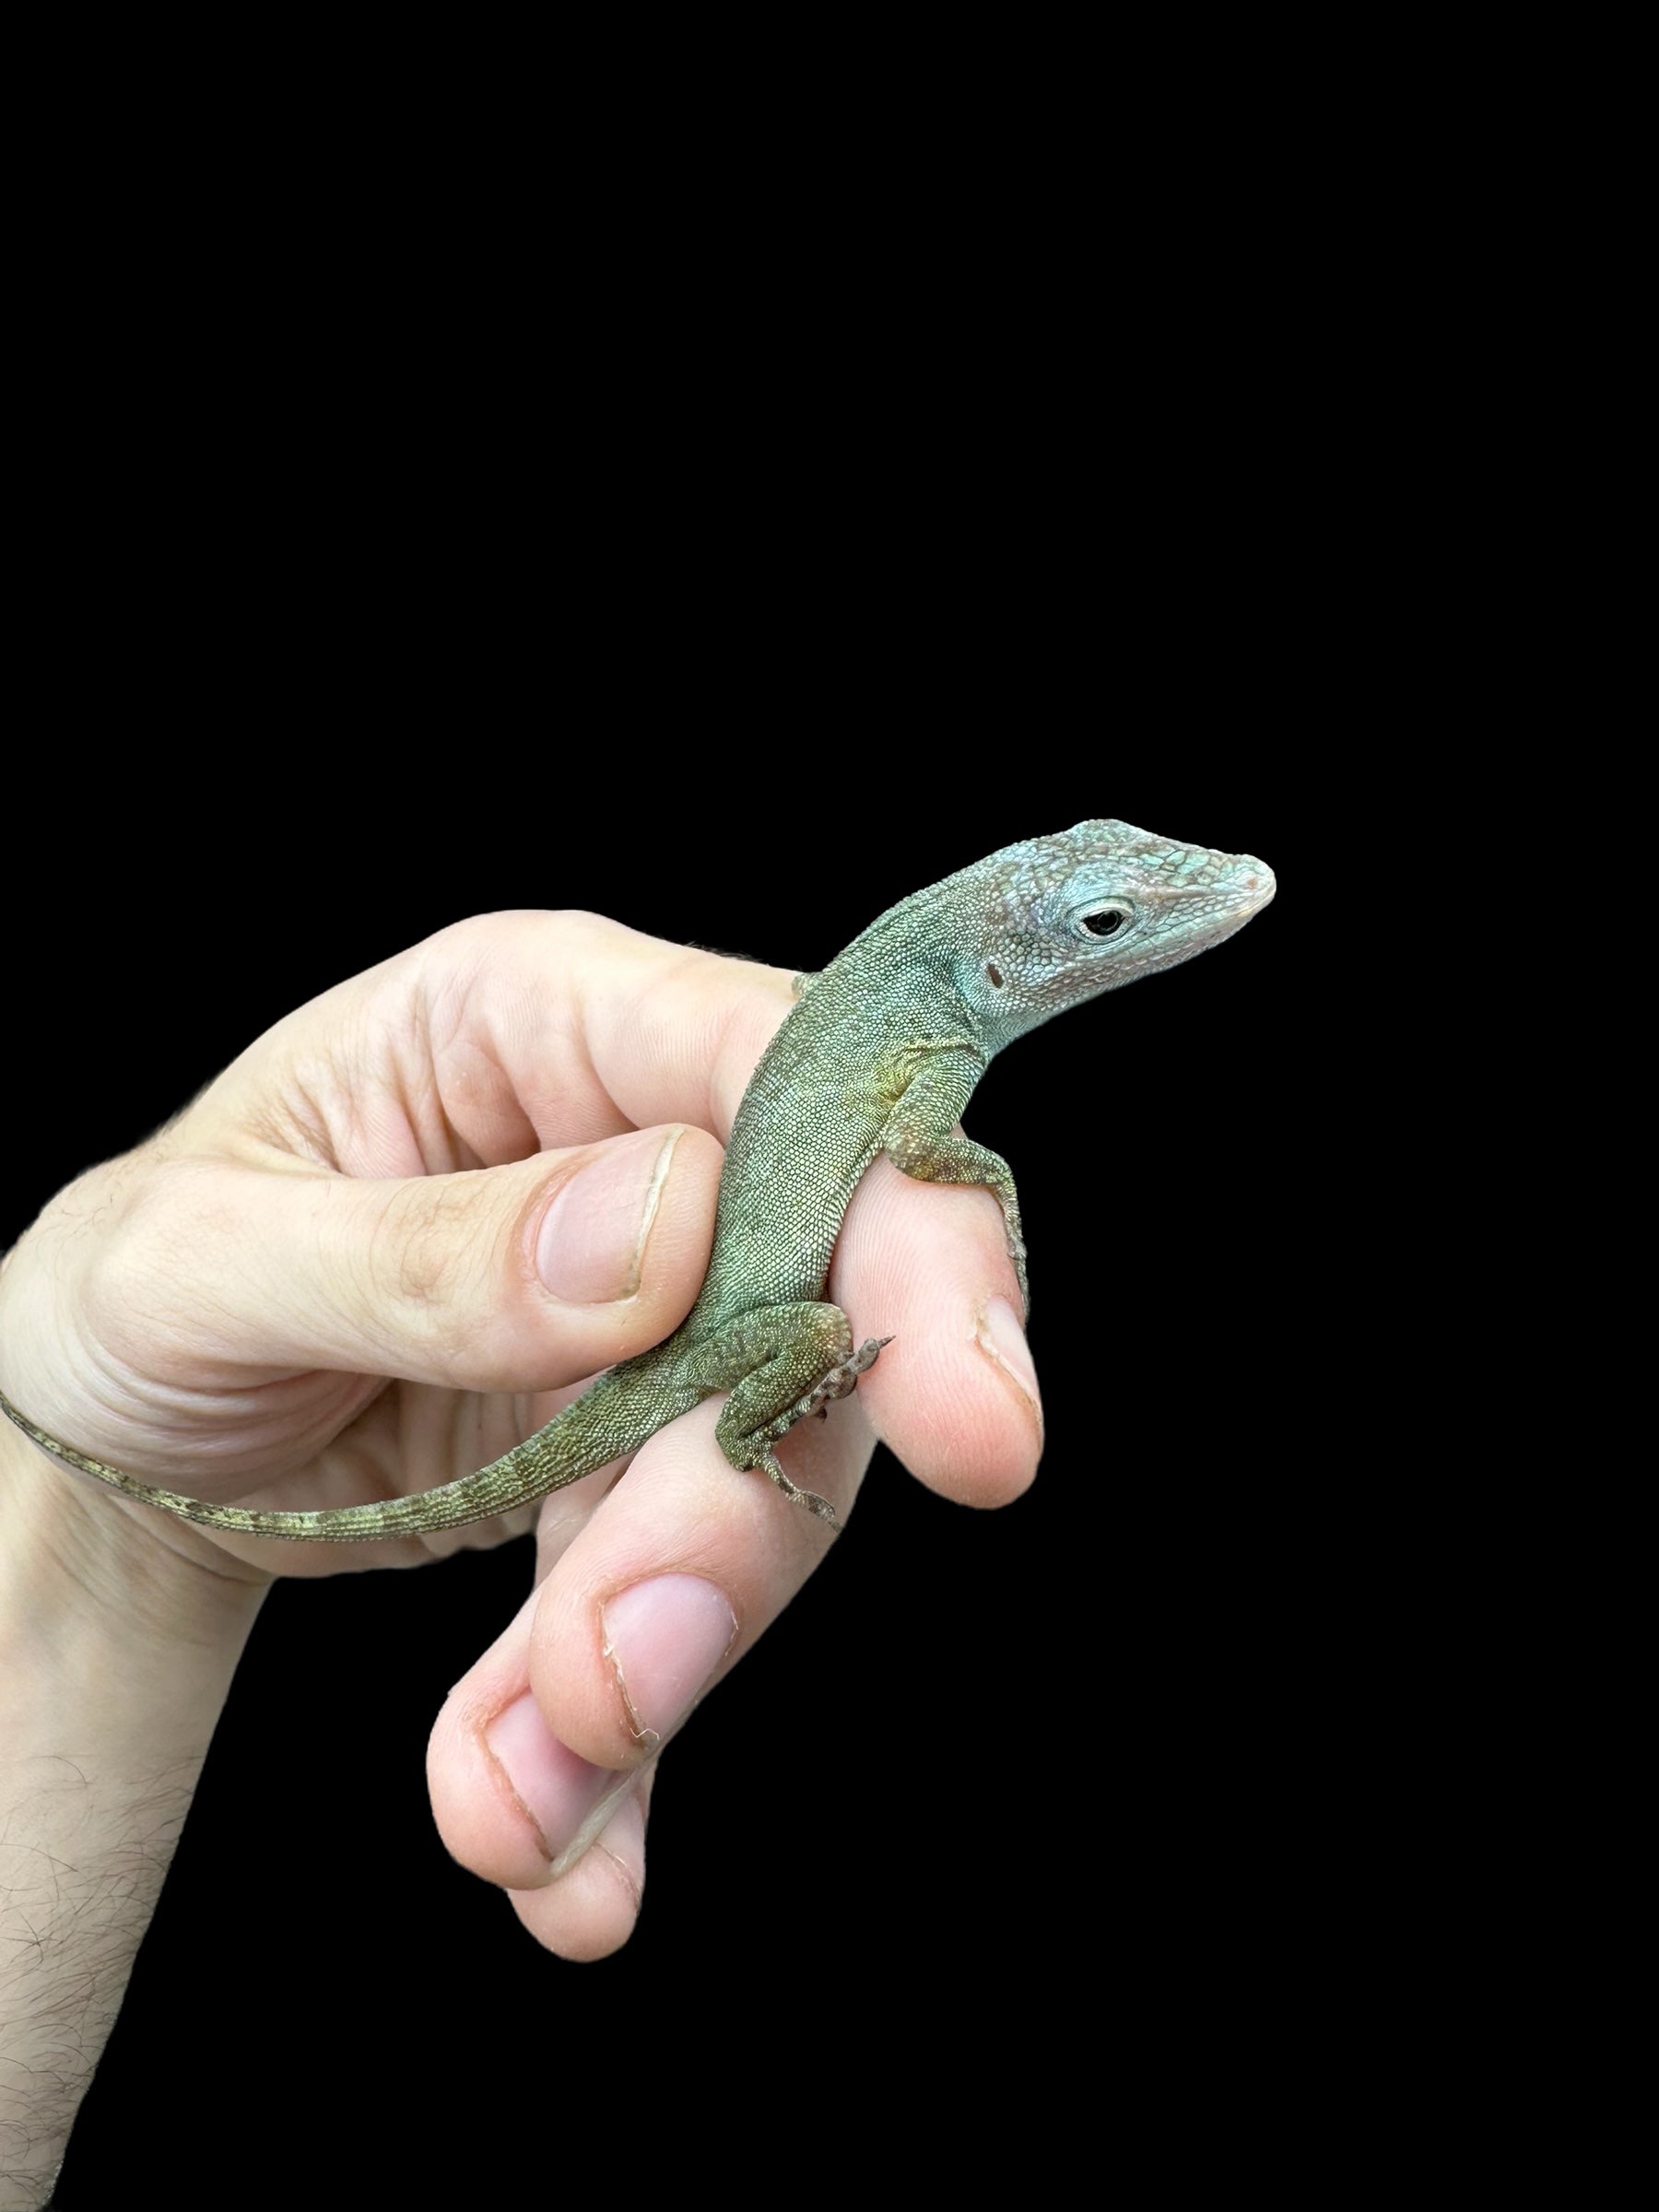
x: 880, y: 1053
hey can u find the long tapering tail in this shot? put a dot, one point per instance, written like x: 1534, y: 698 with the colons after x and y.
x: 611, y: 1418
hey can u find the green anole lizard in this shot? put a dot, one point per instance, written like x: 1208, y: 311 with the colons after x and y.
x: 879, y: 1055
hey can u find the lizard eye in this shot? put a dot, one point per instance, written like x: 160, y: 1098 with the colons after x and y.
x: 1105, y: 919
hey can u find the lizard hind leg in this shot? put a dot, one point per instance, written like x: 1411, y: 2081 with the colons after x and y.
x: 781, y: 1364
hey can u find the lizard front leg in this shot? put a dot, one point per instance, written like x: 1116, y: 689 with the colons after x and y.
x: 779, y: 1364
x: 921, y: 1139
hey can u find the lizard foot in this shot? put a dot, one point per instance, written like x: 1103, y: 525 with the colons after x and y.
x: 1016, y: 1253
x: 841, y: 1381
x: 820, y: 1507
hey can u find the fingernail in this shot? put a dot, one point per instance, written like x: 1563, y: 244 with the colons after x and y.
x: 1003, y: 1341
x: 664, y: 1639
x: 557, y: 1790
x: 592, y: 1237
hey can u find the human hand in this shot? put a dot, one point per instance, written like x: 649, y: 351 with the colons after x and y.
x: 486, y: 1170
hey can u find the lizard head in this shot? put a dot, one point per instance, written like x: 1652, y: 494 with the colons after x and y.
x: 1069, y: 916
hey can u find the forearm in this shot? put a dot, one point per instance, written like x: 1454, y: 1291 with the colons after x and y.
x: 115, y: 1656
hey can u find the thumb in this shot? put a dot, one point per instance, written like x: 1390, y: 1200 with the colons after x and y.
x: 517, y: 1277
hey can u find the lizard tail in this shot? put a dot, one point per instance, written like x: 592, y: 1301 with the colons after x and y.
x: 611, y: 1418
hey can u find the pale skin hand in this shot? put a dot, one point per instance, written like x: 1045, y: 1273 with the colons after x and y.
x: 364, y: 1193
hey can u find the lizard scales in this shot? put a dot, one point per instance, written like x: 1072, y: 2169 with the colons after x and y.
x: 880, y: 1053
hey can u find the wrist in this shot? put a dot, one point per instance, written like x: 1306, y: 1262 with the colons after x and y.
x: 115, y: 1656
x: 100, y: 1618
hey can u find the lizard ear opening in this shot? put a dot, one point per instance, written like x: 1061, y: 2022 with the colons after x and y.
x: 994, y: 972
